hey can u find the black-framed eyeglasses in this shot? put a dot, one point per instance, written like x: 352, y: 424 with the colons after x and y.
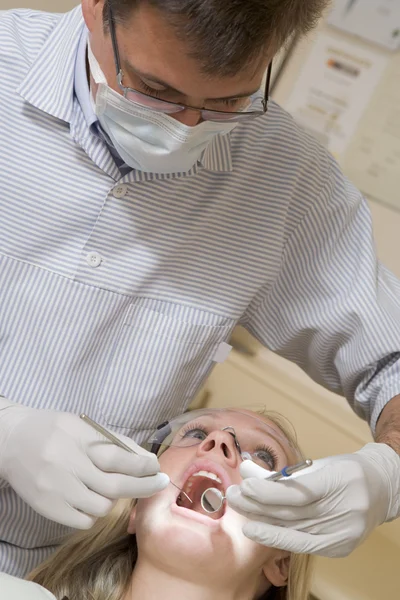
x: 171, y: 108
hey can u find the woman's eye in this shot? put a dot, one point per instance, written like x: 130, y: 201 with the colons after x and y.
x: 266, y: 457
x: 197, y: 433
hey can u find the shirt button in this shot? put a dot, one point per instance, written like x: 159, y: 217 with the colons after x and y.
x: 93, y: 259
x: 120, y: 190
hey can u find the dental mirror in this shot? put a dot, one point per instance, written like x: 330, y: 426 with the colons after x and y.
x: 212, y: 500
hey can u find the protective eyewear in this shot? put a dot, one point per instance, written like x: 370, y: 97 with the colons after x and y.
x: 171, y: 108
x: 254, y: 439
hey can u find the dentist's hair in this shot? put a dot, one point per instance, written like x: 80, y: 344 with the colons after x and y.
x: 226, y: 36
x: 97, y: 564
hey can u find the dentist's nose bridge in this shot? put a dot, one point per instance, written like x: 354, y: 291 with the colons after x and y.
x: 189, y: 116
x: 222, y: 442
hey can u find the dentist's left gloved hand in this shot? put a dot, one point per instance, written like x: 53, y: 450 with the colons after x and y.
x: 328, y: 509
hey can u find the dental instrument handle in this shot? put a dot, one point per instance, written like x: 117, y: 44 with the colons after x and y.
x: 112, y: 438
x: 288, y: 471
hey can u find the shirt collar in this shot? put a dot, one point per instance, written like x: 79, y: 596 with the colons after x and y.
x: 82, y: 89
x: 50, y: 84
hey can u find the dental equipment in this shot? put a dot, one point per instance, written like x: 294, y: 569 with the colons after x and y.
x: 112, y: 438
x: 212, y: 499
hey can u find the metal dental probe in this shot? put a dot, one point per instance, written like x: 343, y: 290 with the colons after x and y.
x: 212, y: 499
x: 112, y: 438
x: 288, y: 471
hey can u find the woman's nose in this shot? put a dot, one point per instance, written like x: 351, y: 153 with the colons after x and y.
x: 219, y: 443
x: 188, y: 117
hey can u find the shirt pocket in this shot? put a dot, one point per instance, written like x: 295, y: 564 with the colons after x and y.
x: 163, y: 354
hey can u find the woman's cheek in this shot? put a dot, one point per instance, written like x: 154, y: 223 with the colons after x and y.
x: 244, y: 548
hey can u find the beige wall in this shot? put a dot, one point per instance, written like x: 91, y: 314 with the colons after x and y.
x: 49, y: 5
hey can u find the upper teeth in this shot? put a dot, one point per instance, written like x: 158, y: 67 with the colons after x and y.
x: 207, y: 474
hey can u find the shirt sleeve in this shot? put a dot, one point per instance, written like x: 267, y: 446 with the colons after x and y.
x: 12, y: 588
x: 333, y: 308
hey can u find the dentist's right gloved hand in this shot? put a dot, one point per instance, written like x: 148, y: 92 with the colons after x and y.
x: 68, y: 472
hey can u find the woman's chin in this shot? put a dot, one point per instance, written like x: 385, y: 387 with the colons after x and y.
x: 182, y: 533
x: 174, y: 538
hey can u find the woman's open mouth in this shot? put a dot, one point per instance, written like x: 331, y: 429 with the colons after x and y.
x: 195, y: 486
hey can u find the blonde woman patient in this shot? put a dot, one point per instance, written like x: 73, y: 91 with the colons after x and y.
x: 167, y: 547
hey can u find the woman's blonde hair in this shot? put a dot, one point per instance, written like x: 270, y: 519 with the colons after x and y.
x: 97, y: 564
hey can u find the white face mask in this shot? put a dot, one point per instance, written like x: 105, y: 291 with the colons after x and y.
x: 145, y: 139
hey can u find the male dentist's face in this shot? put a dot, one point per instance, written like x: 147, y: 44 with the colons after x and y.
x: 156, y: 62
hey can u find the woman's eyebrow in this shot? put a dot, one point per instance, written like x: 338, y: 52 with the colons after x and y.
x: 152, y: 79
x: 274, y: 434
x: 276, y: 439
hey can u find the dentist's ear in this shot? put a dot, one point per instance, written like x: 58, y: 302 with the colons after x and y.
x: 276, y: 570
x: 92, y: 11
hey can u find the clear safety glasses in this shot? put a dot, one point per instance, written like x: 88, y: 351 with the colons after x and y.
x: 254, y: 438
x: 246, y: 110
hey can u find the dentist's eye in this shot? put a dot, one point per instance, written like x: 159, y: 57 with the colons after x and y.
x: 150, y: 91
x: 266, y: 455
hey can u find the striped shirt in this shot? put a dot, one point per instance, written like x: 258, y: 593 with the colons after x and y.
x: 82, y: 92
x: 116, y: 291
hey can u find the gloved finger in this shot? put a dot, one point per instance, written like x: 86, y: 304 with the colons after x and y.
x: 139, y: 487
x: 61, y: 512
x: 291, y: 492
x: 253, y: 496
x: 278, y: 514
x: 286, y: 539
x: 300, y: 517
x: 87, y: 501
x: 313, y: 524
x: 113, y: 485
x: 255, y: 517
x: 248, y: 468
x: 112, y: 459
x: 247, y: 508
x: 242, y: 504
x: 75, y: 519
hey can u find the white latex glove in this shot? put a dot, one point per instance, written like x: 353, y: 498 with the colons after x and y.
x: 12, y: 588
x: 328, y: 509
x: 68, y: 472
